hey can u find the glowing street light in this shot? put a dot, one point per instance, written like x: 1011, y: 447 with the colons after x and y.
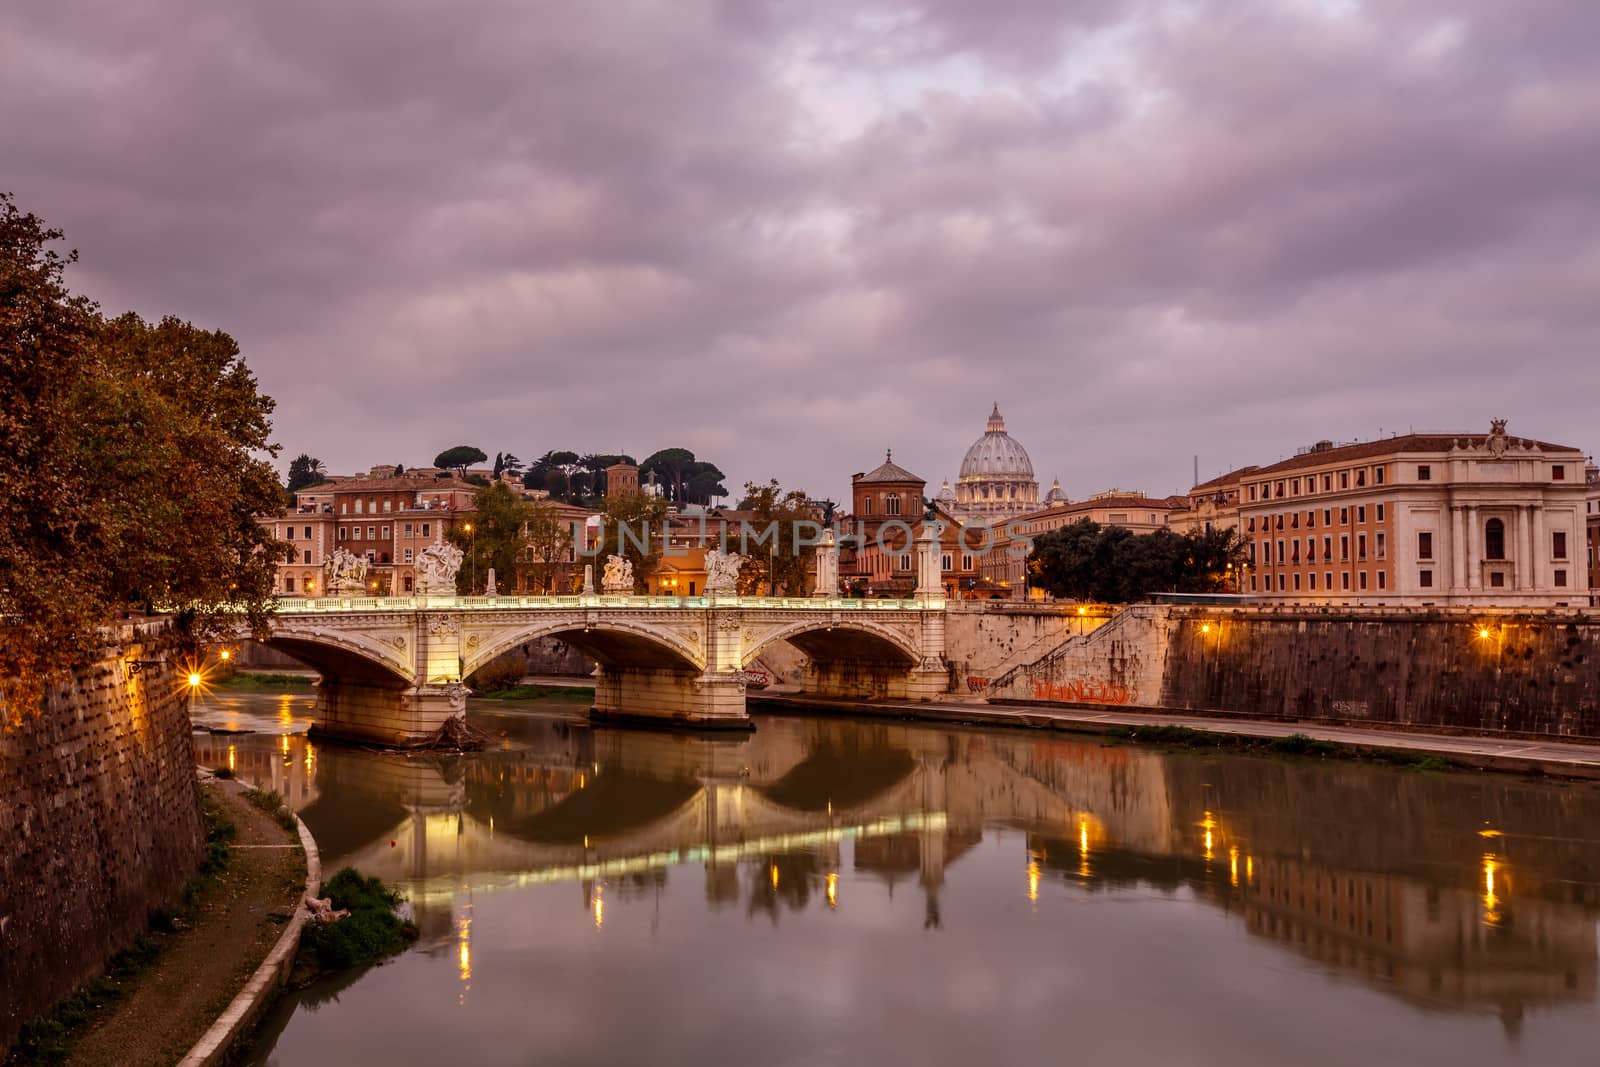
x: 194, y: 679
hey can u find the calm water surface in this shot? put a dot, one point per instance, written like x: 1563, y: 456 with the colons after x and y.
x: 830, y: 891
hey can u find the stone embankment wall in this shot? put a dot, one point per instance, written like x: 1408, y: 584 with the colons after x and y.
x: 99, y: 823
x: 986, y: 639
x: 1486, y: 671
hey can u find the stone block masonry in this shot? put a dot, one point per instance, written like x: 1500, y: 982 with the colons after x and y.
x: 1493, y: 672
x: 99, y: 823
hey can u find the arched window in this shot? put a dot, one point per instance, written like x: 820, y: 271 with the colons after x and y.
x: 891, y: 504
x: 1494, y: 540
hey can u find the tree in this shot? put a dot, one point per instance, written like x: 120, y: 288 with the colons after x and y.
x: 460, y: 458
x: 547, y: 542
x: 684, y: 479
x: 781, y: 520
x: 305, y: 470
x: 138, y: 460
x: 495, y: 539
x: 642, y: 516
x: 1113, y: 565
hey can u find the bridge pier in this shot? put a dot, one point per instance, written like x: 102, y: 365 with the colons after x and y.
x: 353, y: 711
x: 674, y: 698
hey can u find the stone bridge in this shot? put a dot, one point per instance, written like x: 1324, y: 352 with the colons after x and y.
x: 393, y: 668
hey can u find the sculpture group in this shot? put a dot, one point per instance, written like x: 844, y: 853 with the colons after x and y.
x: 436, y: 569
x: 345, y: 572
x: 722, y: 571
x: 617, y: 576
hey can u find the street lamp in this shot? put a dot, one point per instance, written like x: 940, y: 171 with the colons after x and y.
x: 474, y: 548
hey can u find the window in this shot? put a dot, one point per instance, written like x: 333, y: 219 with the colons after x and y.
x: 384, y: 533
x: 891, y: 504
x: 288, y: 585
x: 424, y: 529
x: 1425, y: 474
x: 1327, y: 580
x: 1297, y: 583
x: 1497, y: 580
x: 1251, y: 527
x: 1280, y: 489
x: 1383, y: 576
x: 1327, y: 516
x: 1118, y: 517
x: 1380, y: 512
x: 1494, y: 539
x: 904, y: 561
x: 1344, y: 549
x: 1311, y: 550
x: 1280, y: 552
x: 407, y: 529
x: 1294, y: 487
x: 359, y: 503
x: 1311, y: 520
x: 1377, y: 473
x: 1425, y: 579
x: 1561, y: 579
x: 1313, y: 580
x: 1252, y: 583
x: 1344, y: 516
x: 1361, y: 513
x: 1327, y: 548
x: 372, y: 533
x: 1344, y: 479
x: 1425, y: 545
x: 308, y: 533
x: 866, y: 505
x: 408, y: 554
x: 1361, y: 477
x: 1281, y: 581
x: 1558, y: 544
x: 1361, y: 547
x: 344, y: 507
x: 1252, y: 553
x: 1252, y: 493
x: 1280, y: 522
x: 387, y: 501
x: 1383, y: 547
x: 408, y: 583
x: 1362, y: 581
x: 966, y: 561
x: 307, y: 555
x: 945, y: 562
x: 1344, y: 581
x: 1294, y: 521
x: 1558, y: 473
x: 343, y: 531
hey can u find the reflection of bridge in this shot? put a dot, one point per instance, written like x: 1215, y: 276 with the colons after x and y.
x: 1384, y: 877
x: 392, y: 667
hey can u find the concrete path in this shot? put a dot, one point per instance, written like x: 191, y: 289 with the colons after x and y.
x: 1563, y: 759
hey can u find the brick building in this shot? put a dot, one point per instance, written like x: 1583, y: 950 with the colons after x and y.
x: 1419, y: 519
x: 886, y: 510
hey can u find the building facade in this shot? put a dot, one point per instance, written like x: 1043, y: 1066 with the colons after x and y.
x: 1592, y: 517
x: 887, y: 508
x: 1425, y: 519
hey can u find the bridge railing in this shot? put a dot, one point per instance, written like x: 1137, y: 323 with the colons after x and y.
x: 321, y: 605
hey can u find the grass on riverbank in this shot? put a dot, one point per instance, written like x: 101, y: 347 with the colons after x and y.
x: 49, y: 1040
x: 1292, y: 745
x: 370, y: 933
x: 535, y: 692
x: 251, y: 682
x: 272, y: 805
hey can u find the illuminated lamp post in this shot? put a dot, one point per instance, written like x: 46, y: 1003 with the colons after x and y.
x: 474, y: 548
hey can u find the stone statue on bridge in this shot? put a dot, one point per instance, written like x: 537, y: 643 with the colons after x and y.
x: 436, y: 568
x: 618, y: 576
x: 722, y: 571
x: 346, y: 572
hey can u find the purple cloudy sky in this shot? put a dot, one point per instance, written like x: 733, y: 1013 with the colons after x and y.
x: 789, y: 233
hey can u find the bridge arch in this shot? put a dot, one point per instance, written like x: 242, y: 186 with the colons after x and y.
x: 610, y: 642
x: 855, y: 640
x: 340, y: 655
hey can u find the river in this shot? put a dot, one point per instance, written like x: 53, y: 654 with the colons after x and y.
x: 825, y: 890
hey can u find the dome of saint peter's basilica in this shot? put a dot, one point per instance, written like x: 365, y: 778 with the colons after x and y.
x: 996, y: 475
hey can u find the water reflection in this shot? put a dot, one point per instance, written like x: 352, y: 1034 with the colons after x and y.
x: 1384, y: 879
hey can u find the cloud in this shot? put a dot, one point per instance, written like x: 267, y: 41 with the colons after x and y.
x: 789, y: 236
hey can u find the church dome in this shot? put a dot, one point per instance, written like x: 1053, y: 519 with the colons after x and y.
x: 996, y: 475
x: 996, y: 455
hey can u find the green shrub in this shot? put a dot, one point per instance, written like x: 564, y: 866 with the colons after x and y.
x: 370, y: 933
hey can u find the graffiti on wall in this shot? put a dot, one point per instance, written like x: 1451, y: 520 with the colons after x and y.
x: 1090, y: 690
x: 976, y: 684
